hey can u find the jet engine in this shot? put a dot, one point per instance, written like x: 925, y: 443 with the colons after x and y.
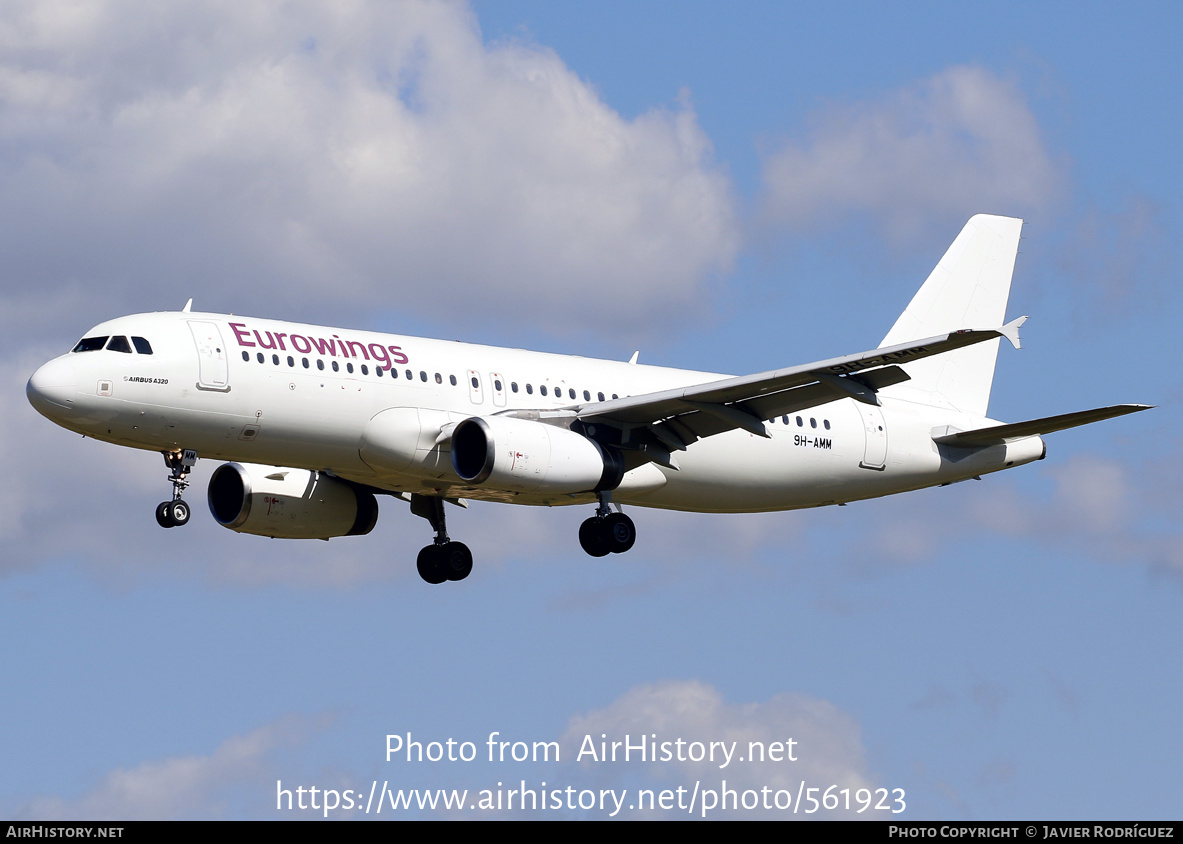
x: 288, y: 503
x: 520, y: 455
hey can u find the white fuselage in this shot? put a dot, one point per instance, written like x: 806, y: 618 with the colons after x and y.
x: 282, y: 394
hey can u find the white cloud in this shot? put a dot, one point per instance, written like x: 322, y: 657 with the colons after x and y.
x: 1098, y: 507
x: 182, y: 787
x: 827, y: 745
x: 335, y: 156
x: 49, y: 473
x: 1119, y: 261
x: 960, y: 142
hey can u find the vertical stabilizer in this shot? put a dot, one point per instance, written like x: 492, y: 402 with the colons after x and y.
x: 968, y: 289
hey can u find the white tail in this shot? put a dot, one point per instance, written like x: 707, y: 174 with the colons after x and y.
x: 968, y: 289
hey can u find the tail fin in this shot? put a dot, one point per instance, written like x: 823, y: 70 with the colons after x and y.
x: 968, y: 289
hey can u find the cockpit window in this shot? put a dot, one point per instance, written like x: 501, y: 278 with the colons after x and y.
x: 90, y: 344
x: 142, y: 345
x: 119, y: 344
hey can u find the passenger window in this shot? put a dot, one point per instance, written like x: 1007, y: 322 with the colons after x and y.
x: 615, y: 396
x: 336, y: 367
x: 474, y: 382
x: 275, y: 359
x: 378, y: 371
x: 513, y: 385
x: 320, y: 364
x: 497, y: 384
x: 305, y: 362
x: 812, y: 422
x: 439, y: 379
x: 571, y: 391
x: 142, y: 345
x: 785, y: 419
x: 291, y: 361
x: 260, y: 357
x: 410, y: 375
x: 600, y: 396
x: 529, y: 389
x: 452, y: 379
x: 91, y: 344
x: 586, y: 395
x: 542, y: 389
x: 349, y: 368
x: 119, y: 344
x: 826, y: 422
x: 422, y: 376
x: 365, y: 370
x: 246, y: 356
x: 799, y: 422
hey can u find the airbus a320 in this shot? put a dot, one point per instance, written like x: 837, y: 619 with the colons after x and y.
x: 315, y: 422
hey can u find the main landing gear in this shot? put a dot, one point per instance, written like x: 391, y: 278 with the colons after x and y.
x: 176, y: 512
x: 607, y: 532
x: 443, y: 559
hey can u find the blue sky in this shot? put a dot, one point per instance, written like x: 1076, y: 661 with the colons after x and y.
x: 725, y: 188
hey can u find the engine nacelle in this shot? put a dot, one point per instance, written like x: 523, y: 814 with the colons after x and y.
x: 288, y: 503
x: 520, y: 455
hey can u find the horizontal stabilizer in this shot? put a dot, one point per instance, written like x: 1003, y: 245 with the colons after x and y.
x: 997, y: 434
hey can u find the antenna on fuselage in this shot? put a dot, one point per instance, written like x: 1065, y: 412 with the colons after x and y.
x: 188, y: 305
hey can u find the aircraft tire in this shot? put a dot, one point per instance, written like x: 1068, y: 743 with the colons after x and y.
x: 456, y: 560
x: 593, y: 539
x: 430, y: 564
x: 162, y: 515
x: 619, y: 532
x: 178, y: 512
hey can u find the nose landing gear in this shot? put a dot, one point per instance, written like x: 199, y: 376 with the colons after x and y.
x: 176, y: 512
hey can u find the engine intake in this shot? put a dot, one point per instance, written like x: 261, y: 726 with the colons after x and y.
x: 288, y: 503
x: 520, y: 455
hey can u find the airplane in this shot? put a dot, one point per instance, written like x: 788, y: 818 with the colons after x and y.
x: 315, y: 422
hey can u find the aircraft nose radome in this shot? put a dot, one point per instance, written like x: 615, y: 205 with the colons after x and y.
x: 52, y: 388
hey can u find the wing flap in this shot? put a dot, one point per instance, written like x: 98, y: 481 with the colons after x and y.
x: 677, y: 432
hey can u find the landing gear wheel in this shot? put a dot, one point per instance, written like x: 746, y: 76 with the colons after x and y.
x: 431, y: 564
x: 443, y: 559
x: 619, y: 532
x: 178, y: 512
x: 456, y: 560
x: 593, y: 539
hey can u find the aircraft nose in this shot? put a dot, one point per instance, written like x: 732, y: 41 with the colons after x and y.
x: 52, y: 388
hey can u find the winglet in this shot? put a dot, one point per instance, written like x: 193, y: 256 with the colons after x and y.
x: 188, y: 305
x: 633, y: 359
x: 1011, y: 331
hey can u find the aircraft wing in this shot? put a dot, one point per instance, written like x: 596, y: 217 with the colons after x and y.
x: 678, y: 417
